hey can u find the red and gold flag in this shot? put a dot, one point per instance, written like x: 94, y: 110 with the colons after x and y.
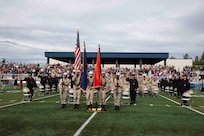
x: 97, y: 71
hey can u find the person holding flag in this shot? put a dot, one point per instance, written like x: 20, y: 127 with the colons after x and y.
x: 90, y: 91
x: 77, y: 90
x: 97, y: 72
x: 102, y: 91
x: 77, y: 76
x: 86, y: 83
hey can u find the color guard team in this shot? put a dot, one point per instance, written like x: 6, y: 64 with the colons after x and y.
x: 117, y: 83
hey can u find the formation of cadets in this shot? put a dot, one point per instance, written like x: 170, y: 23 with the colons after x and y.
x: 117, y: 81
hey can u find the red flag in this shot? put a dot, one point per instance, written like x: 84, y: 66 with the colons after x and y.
x: 97, y: 71
x: 77, y: 53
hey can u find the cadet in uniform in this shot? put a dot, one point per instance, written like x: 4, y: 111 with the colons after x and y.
x: 64, y: 89
x: 77, y: 90
x: 102, y: 92
x: 117, y: 91
x: 144, y: 84
x: 89, y: 91
x: 133, y: 88
x: 125, y: 83
x: 154, y: 86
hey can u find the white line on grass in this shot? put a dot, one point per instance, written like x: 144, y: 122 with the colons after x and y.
x: 9, y: 105
x: 85, y: 124
x: 201, y: 113
x: 87, y: 121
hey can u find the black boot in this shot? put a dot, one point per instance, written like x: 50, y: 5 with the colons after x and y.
x: 103, y: 108
x: 116, y: 107
x: 62, y: 106
x: 65, y: 106
x: 75, y: 106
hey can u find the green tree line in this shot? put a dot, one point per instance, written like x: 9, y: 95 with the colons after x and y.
x: 196, y: 61
x: 199, y: 61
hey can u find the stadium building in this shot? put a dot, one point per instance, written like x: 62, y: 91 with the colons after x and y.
x: 116, y: 59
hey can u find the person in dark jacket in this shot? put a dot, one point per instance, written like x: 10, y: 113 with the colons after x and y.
x: 133, y: 88
x: 185, y: 86
x: 43, y: 79
x: 31, y: 84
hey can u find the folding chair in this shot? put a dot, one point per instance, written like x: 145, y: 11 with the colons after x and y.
x: 186, y: 97
x: 126, y: 97
x: 71, y: 96
x: 155, y: 92
x: 145, y: 91
x: 54, y: 88
x: 26, y: 94
x: 47, y: 88
x: 42, y: 90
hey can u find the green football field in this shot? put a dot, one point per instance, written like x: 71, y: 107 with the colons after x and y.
x: 153, y: 116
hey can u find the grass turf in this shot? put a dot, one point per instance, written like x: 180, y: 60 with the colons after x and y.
x: 152, y: 116
x: 143, y: 119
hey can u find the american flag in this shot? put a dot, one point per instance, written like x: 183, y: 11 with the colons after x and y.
x: 77, y: 53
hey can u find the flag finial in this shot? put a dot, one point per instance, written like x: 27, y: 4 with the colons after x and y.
x: 77, y: 28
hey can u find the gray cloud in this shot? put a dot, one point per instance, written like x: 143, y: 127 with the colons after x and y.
x: 33, y: 27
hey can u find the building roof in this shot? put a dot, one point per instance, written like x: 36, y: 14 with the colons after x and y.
x: 111, y: 57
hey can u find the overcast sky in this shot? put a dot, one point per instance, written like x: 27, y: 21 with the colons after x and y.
x: 28, y: 28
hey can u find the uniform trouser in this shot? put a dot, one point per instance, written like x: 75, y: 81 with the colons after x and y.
x: 77, y: 96
x: 117, y: 96
x: 102, y: 97
x: 31, y: 91
x: 133, y: 96
x: 63, y: 97
x: 89, y: 96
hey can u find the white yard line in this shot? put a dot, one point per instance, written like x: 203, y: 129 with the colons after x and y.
x: 87, y: 121
x: 85, y: 124
x: 201, y: 113
x: 10, y: 92
x: 9, y: 105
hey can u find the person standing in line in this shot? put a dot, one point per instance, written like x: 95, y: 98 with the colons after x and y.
x: 178, y: 84
x: 64, y: 89
x: 89, y: 91
x: 15, y: 82
x: 185, y: 86
x: 31, y: 84
x: 144, y: 84
x: 55, y: 82
x: 102, y: 92
x: 43, y: 79
x: 77, y: 90
x: 117, y: 92
x: 133, y: 88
